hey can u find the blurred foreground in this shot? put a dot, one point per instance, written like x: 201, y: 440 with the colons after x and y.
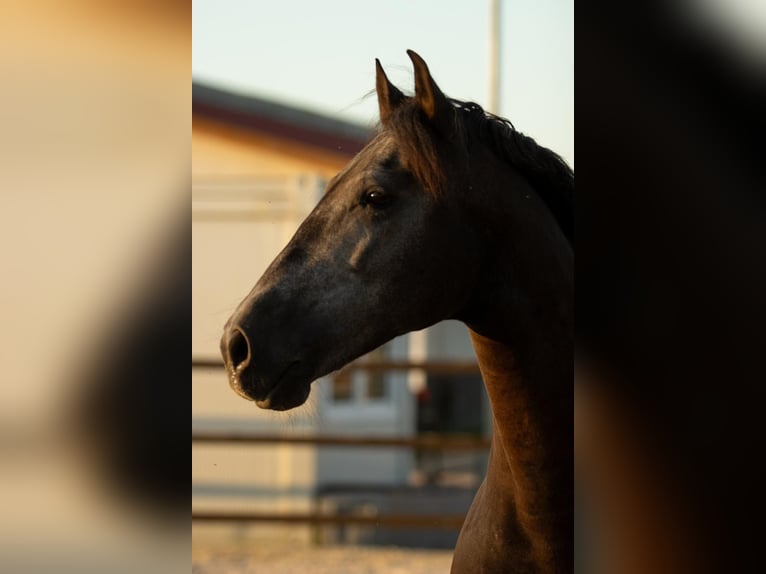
x: 94, y: 248
x: 670, y: 310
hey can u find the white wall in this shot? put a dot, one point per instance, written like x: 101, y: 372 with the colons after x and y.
x: 238, y: 227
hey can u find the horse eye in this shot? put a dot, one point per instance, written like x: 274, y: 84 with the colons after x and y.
x: 376, y: 198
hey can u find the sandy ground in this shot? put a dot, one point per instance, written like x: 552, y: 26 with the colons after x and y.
x: 265, y: 559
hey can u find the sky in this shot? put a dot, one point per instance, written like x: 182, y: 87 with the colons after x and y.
x: 320, y: 55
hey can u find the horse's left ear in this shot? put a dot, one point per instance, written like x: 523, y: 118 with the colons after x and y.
x: 430, y: 98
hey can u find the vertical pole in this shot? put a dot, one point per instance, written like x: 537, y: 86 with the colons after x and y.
x: 418, y: 352
x: 493, y: 104
x: 417, y: 382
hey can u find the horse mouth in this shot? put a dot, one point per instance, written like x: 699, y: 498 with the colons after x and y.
x: 282, y: 398
x: 285, y: 395
x: 290, y: 390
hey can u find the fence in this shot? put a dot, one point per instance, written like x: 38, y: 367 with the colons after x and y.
x: 423, y: 442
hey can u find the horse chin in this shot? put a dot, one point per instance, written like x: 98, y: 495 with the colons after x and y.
x: 286, y: 395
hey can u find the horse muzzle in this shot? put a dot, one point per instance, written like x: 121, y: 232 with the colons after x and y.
x: 282, y: 392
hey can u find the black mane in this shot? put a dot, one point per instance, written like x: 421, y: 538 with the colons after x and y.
x: 545, y: 170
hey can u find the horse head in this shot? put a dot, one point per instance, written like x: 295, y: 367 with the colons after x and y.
x: 386, y: 251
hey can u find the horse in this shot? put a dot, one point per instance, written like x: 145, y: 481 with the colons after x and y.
x: 449, y: 212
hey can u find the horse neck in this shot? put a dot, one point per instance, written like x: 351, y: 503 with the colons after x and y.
x: 528, y: 490
x: 521, y: 327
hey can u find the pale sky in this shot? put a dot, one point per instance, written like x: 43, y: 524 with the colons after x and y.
x: 320, y: 55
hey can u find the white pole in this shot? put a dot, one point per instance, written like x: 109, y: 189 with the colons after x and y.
x: 493, y: 104
x: 418, y: 352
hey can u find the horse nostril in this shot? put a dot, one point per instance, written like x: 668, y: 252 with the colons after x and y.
x: 239, y: 348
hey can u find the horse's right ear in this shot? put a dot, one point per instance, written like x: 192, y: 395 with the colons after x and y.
x: 389, y: 96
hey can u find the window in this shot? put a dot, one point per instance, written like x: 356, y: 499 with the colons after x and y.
x: 376, y: 383
x: 363, y: 385
x: 376, y: 387
x: 342, y: 387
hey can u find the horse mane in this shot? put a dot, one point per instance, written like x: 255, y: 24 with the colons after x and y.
x: 547, y: 173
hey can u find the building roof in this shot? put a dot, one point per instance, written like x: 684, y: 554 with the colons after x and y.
x: 280, y: 120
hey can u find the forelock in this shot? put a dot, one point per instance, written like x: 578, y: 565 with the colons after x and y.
x: 416, y: 147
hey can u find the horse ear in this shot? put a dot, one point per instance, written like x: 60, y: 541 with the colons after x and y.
x: 389, y: 96
x: 430, y: 98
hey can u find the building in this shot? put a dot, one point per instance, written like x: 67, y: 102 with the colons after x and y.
x: 259, y: 167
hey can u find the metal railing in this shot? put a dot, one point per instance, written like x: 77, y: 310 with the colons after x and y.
x: 436, y: 442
